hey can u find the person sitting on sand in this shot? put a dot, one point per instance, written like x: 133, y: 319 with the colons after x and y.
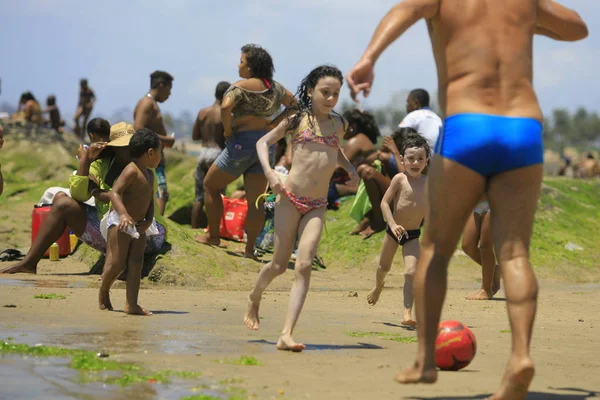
x: 407, y: 193
x: 99, y: 166
x: 55, y: 121
x: 132, y: 199
x: 316, y: 132
x: 32, y: 112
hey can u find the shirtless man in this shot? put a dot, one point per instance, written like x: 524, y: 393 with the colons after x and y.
x: 87, y: 98
x: 492, y: 143
x: 147, y: 115
x: 208, y: 129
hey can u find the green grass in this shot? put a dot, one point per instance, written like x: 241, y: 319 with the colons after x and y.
x: 384, y: 335
x: 50, y: 296
x: 505, y: 331
x: 243, y: 360
x: 89, y: 364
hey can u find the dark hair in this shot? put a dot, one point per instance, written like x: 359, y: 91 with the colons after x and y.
x: 51, y: 100
x: 421, y: 96
x: 415, y: 140
x: 304, y: 101
x: 99, y: 126
x: 83, y: 81
x: 158, y: 77
x: 365, y: 123
x: 221, y: 89
x: 260, y: 62
x: 401, y: 134
x: 143, y: 140
x: 26, y: 96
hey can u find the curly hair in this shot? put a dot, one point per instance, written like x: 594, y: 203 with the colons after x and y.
x: 304, y: 106
x: 260, y: 62
x: 365, y: 123
x: 414, y: 140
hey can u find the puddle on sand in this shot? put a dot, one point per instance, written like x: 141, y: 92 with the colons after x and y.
x: 46, y: 283
x: 52, y: 379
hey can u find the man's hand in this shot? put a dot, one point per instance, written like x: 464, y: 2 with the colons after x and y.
x: 360, y: 78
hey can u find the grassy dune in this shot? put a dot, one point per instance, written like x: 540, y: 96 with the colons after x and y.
x: 569, y: 211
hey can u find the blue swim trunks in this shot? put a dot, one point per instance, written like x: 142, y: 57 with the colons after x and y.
x: 491, y: 144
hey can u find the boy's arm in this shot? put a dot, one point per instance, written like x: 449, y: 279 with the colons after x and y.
x: 121, y: 184
x: 390, y: 194
x: 144, y: 225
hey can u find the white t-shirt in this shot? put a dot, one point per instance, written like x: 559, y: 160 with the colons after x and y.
x: 425, y: 122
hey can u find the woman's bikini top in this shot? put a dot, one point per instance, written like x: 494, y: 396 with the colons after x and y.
x: 311, y: 133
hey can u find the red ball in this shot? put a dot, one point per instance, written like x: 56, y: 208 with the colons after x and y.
x: 455, y: 346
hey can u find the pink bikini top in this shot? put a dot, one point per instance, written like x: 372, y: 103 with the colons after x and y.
x: 305, y: 134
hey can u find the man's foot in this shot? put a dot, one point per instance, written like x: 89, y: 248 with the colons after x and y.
x: 19, y: 268
x: 367, y: 232
x: 481, y: 294
x: 373, y: 296
x: 496, y: 281
x: 207, y: 239
x: 251, y: 318
x: 136, y: 310
x: 364, y: 224
x: 287, y: 343
x: 517, y: 377
x: 416, y: 374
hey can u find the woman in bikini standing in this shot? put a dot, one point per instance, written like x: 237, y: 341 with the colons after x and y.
x: 246, y: 112
x: 316, y: 132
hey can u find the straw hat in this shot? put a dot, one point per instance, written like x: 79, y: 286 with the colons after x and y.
x: 120, y: 134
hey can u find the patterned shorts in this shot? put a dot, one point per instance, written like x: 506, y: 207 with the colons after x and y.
x: 162, y: 192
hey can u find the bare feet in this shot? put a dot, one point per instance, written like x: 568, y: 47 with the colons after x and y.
x: 416, y: 374
x: 481, y: 294
x: 136, y: 310
x: 407, y: 318
x: 251, y: 256
x: 367, y: 233
x: 19, y: 268
x: 251, y: 318
x: 496, y: 282
x: 373, y: 296
x: 287, y: 343
x: 364, y: 224
x: 517, y: 377
x: 207, y: 239
x: 104, y: 300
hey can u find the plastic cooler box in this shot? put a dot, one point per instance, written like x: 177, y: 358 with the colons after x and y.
x: 38, y: 215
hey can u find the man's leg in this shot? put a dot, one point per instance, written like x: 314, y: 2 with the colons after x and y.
x: 513, y: 197
x: 453, y: 193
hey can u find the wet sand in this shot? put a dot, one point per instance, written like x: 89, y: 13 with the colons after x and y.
x: 194, y: 329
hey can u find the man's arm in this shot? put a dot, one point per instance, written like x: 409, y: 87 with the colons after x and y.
x: 559, y: 22
x: 401, y: 17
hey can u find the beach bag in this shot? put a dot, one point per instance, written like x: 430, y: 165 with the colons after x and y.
x: 233, y: 221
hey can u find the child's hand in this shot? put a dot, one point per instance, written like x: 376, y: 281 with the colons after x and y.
x: 125, y: 221
x: 143, y: 226
x: 389, y: 145
x: 275, y: 182
x: 398, y: 230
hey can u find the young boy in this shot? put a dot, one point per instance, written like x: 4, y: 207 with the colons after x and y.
x: 132, y: 198
x: 407, y: 191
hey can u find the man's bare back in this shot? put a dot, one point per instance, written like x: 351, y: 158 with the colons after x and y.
x: 208, y: 128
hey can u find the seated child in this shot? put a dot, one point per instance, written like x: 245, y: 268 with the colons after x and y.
x: 132, y: 197
x: 407, y: 192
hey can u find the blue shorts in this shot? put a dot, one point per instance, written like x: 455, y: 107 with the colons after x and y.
x: 239, y: 155
x: 161, y: 178
x: 491, y: 144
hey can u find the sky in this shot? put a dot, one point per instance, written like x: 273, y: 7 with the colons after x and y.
x: 48, y: 45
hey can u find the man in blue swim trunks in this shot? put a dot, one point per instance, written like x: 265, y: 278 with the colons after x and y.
x: 491, y: 143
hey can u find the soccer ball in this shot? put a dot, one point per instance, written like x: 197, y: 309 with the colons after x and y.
x: 455, y: 346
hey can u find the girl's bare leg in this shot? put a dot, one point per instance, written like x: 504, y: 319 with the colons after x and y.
x: 309, y: 234
x: 286, y: 218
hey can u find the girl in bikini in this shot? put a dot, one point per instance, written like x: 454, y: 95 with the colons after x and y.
x: 316, y: 132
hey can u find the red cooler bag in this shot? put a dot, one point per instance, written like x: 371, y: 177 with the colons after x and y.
x: 233, y: 220
x: 38, y: 215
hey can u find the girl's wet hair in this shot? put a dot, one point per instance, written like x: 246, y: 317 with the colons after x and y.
x: 304, y: 100
x: 365, y: 123
x: 259, y: 61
